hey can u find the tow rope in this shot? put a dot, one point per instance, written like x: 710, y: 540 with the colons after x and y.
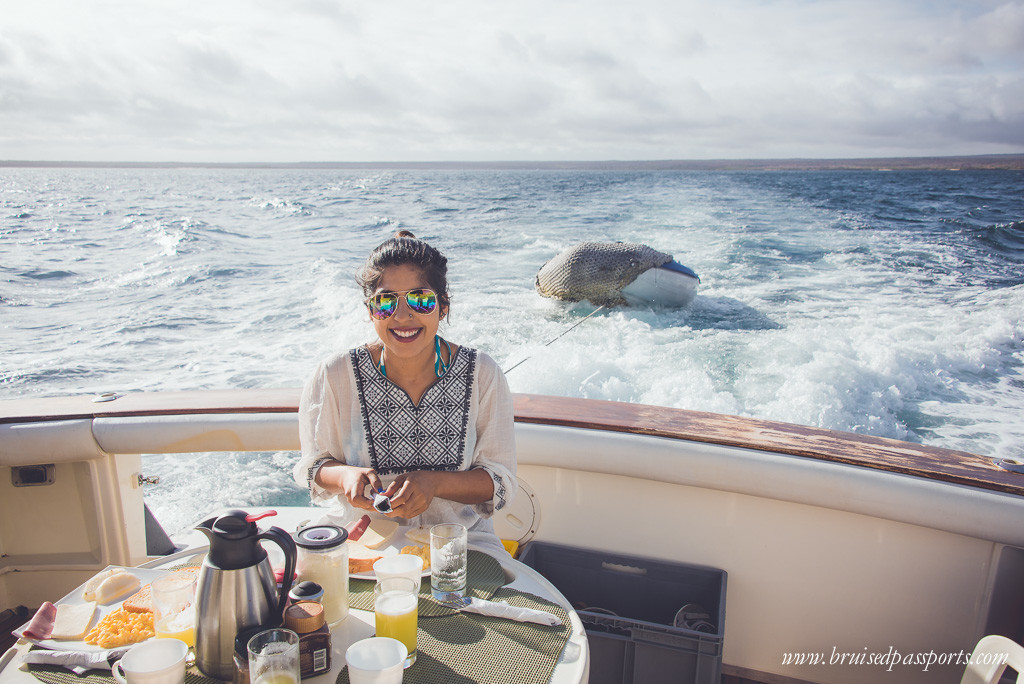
x: 555, y: 338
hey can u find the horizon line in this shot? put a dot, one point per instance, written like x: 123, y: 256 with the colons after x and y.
x: 1010, y: 161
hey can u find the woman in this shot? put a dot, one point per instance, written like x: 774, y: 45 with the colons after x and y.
x: 427, y: 422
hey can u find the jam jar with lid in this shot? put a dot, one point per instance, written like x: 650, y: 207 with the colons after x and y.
x: 323, y: 558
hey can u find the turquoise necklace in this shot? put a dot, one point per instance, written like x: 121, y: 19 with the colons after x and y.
x: 439, y: 365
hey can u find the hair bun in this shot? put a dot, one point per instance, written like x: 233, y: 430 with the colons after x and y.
x: 404, y: 234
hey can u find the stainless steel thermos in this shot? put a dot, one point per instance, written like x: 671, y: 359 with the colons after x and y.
x: 236, y: 588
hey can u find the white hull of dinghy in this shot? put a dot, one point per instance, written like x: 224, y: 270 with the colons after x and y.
x: 662, y: 286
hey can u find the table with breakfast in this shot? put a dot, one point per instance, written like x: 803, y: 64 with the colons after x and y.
x: 364, y: 602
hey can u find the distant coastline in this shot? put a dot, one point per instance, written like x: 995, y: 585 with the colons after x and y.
x: 1013, y: 162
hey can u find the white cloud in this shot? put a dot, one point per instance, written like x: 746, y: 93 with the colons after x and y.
x: 239, y: 80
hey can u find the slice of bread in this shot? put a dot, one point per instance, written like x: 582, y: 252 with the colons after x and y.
x: 361, y: 558
x: 378, y: 533
x: 420, y: 535
x: 142, y: 600
x: 73, y: 620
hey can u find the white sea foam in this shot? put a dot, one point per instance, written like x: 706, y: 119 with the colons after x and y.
x: 823, y: 301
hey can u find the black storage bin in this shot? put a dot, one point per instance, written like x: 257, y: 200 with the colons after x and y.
x: 628, y: 604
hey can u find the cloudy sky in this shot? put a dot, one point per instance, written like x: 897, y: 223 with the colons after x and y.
x: 393, y: 80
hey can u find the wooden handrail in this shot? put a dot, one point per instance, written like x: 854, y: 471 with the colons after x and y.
x: 948, y: 465
x: 896, y: 456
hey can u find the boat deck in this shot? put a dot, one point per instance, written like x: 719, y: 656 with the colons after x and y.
x: 11, y: 619
x: 748, y: 478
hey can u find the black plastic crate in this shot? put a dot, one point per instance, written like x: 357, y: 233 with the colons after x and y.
x: 628, y: 604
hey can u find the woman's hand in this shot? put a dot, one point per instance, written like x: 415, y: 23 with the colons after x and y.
x: 338, y: 478
x: 411, y: 493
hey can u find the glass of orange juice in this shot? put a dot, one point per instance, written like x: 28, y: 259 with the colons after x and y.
x: 396, y: 607
x: 274, y: 657
x: 174, y: 612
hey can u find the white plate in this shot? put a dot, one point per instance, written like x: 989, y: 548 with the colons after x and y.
x: 145, y: 575
x: 392, y: 548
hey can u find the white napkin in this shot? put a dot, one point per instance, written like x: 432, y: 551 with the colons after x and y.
x: 78, y: 662
x: 503, y: 610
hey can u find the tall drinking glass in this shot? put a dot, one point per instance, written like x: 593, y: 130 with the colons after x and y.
x: 396, y: 609
x: 174, y: 611
x: 448, y: 560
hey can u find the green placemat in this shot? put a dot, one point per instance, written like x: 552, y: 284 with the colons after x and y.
x: 464, y: 647
x: 484, y: 576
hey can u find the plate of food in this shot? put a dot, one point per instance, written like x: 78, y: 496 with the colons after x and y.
x: 382, y: 538
x: 111, y: 610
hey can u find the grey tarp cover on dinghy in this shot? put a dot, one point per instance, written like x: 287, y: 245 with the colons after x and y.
x: 596, y: 271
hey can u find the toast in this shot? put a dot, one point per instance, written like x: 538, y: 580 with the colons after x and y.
x: 361, y: 558
x: 142, y: 600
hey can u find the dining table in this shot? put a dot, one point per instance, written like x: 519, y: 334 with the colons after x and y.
x: 454, y: 647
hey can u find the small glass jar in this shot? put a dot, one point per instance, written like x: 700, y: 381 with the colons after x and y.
x: 306, y: 618
x: 323, y: 558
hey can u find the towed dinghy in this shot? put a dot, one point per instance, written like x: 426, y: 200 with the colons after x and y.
x: 617, y: 274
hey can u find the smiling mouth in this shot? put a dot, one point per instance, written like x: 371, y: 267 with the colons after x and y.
x: 406, y: 335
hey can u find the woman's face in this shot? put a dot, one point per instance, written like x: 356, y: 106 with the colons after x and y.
x: 406, y: 333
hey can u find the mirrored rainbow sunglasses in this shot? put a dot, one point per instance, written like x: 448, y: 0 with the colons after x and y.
x: 383, y: 304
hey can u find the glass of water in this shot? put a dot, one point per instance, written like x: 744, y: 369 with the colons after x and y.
x: 448, y: 560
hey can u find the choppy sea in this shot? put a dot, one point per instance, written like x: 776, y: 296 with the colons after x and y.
x: 885, y: 303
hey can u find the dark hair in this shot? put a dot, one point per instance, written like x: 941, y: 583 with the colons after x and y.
x: 405, y: 248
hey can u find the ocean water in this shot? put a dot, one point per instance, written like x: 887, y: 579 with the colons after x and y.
x: 885, y: 303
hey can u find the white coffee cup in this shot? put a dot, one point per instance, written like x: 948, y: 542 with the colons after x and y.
x: 401, y: 565
x: 377, y: 660
x: 157, y: 661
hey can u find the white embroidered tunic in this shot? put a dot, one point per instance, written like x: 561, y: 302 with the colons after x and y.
x: 352, y: 413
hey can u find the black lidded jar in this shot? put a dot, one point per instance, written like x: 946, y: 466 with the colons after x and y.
x: 242, y: 652
x: 306, y: 591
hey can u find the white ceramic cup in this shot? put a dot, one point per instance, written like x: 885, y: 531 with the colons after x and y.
x: 377, y: 660
x: 159, y: 661
x: 402, y: 565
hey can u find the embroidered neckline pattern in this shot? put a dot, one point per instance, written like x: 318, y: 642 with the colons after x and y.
x: 402, y: 436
